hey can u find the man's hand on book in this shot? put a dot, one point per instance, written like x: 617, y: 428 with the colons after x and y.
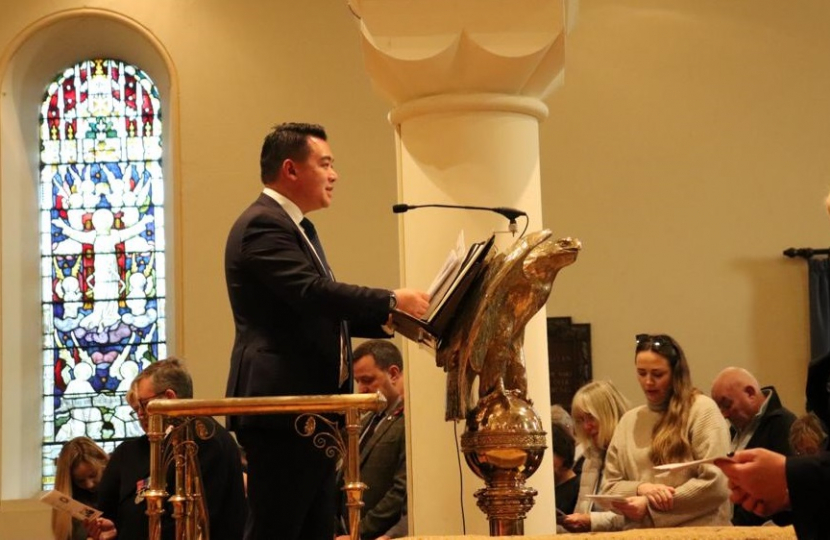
x: 412, y: 301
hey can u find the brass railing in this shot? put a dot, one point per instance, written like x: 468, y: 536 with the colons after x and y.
x: 188, y: 496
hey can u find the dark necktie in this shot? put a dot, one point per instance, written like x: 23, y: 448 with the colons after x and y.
x: 345, y: 350
x: 311, y: 234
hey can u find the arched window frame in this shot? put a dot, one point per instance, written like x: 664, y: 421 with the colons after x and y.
x: 27, y: 66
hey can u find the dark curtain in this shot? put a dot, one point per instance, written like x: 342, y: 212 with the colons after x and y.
x: 819, y: 306
x: 818, y: 374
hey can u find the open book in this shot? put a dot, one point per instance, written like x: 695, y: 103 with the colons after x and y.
x: 448, y: 289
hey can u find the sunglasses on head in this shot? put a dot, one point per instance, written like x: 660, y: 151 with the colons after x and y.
x: 659, y: 343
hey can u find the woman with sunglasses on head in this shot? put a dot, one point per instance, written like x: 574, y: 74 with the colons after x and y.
x: 678, y: 424
x: 597, y: 408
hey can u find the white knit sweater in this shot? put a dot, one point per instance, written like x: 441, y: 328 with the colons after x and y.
x: 701, y: 495
x: 589, y: 484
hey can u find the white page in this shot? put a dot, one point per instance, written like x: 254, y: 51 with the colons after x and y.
x: 76, y: 509
x: 454, y: 258
x: 685, y: 464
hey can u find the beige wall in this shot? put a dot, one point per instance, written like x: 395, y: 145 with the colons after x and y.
x: 688, y: 147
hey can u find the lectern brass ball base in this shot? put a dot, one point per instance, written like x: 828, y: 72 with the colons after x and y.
x: 504, y: 444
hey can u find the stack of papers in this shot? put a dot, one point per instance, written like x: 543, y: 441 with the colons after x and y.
x: 448, y: 288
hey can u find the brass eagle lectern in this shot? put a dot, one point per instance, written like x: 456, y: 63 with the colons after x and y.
x: 504, y: 439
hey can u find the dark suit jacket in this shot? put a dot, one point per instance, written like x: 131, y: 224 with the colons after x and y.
x: 772, y: 433
x: 818, y: 387
x: 383, y: 470
x: 221, y: 470
x: 287, y: 311
x: 808, y: 481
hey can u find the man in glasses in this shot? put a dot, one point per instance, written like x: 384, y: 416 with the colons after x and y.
x: 757, y: 419
x: 127, y: 476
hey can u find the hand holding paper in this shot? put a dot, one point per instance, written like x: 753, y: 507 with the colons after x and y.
x: 77, y: 510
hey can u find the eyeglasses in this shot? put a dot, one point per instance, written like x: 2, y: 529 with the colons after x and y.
x: 142, y: 404
x: 585, y: 418
x: 661, y: 344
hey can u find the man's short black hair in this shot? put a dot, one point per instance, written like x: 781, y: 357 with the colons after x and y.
x: 286, y: 141
x: 385, y: 353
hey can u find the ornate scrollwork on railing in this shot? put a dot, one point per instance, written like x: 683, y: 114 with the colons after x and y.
x: 330, y: 441
x: 180, y: 452
x: 174, y: 424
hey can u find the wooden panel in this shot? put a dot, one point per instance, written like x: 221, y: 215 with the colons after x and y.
x: 569, y: 359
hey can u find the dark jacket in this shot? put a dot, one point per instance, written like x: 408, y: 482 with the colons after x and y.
x: 808, y: 478
x: 772, y: 433
x: 383, y: 470
x: 818, y: 388
x: 128, y: 473
x: 288, y: 312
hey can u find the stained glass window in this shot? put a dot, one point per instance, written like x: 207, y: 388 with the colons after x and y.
x: 102, y: 250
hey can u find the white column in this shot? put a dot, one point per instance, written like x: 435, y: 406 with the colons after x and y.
x: 466, y: 79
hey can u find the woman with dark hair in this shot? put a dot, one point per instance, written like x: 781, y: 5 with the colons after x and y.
x: 678, y: 424
x: 565, y: 480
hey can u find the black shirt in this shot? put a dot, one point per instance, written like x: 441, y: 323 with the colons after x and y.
x: 128, y: 474
x: 566, y: 495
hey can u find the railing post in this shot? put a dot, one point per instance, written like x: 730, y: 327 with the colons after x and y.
x: 156, y: 493
x: 352, y: 484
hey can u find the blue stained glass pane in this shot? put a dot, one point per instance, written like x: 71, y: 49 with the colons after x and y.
x: 102, y: 226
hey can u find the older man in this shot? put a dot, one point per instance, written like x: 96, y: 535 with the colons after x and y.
x: 758, y: 420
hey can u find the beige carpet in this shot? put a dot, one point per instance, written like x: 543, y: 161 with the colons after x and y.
x: 680, y: 533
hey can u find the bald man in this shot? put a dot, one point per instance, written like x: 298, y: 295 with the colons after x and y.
x: 758, y: 420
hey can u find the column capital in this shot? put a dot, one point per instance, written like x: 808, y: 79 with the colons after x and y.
x: 419, y: 48
x: 530, y: 106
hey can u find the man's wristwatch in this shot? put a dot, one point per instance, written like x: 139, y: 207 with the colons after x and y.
x: 393, y: 301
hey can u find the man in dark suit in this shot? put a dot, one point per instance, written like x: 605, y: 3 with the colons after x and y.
x: 293, y: 322
x: 378, y: 367
x: 758, y: 420
x: 126, y: 477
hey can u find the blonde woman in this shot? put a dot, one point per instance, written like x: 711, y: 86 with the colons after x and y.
x: 678, y: 424
x: 78, y: 472
x: 596, y: 408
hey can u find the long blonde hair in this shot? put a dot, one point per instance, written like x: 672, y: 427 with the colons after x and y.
x: 670, y: 439
x: 603, y: 401
x: 74, y: 452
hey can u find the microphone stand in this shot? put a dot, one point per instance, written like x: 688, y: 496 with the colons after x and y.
x: 510, y: 213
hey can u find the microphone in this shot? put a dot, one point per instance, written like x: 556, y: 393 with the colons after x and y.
x: 510, y: 213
